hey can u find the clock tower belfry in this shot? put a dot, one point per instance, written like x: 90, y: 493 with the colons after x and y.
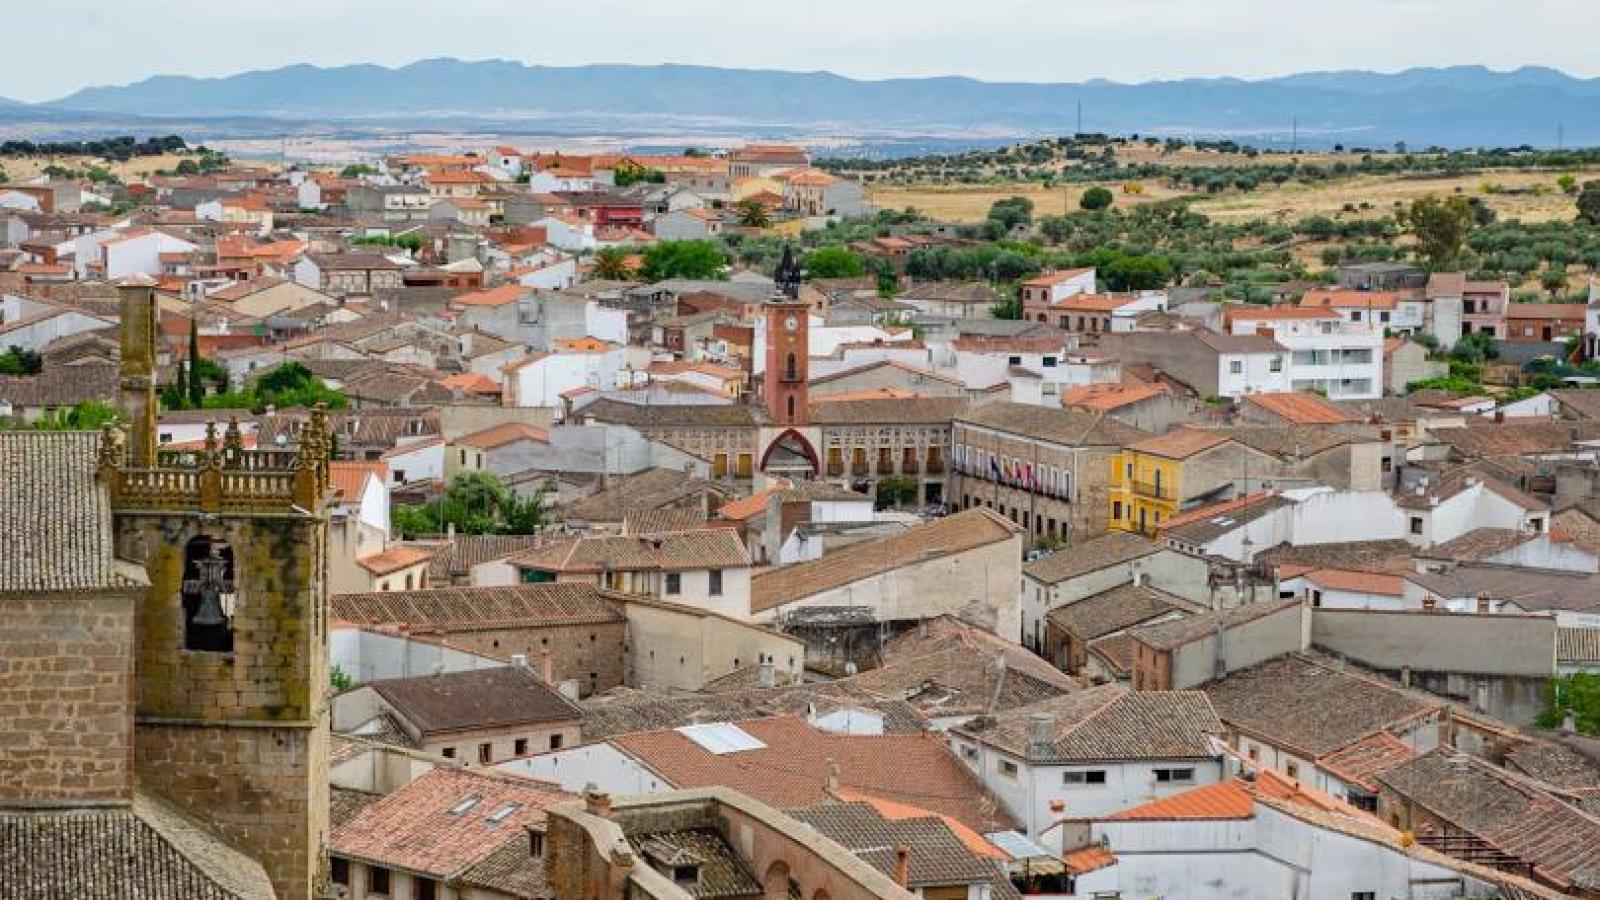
x: 784, y: 384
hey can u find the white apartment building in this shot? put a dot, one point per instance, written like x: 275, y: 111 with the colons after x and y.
x: 1327, y: 353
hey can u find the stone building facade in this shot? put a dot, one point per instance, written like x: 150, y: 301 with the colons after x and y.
x: 864, y: 442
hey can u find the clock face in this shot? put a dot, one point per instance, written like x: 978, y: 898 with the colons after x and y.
x: 791, y: 323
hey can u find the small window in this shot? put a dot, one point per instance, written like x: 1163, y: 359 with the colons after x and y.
x: 1049, y: 362
x: 1292, y: 770
x: 715, y: 579
x: 1416, y: 524
x: 1275, y: 365
x: 1174, y: 776
x: 969, y: 752
x: 1363, y: 895
x: 1014, y: 360
x: 1008, y: 768
x: 466, y: 803
x: 503, y: 813
x: 427, y: 889
x: 674, y: 583
x: 449, y: 753
x: 555, y: 742
x: 1236, y: 367
x: 1093, y: 776
x: 520, y: 746
x: 377, y: 880
x: 340, y: 870
x: 485, y: 753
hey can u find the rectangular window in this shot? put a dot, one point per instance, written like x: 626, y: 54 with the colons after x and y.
x: 1014, y: 360
x: 1174, y: 776
x: 715, y: 579
x: 1093, y: 776
x: 1008, y: 768
x: 1363, y: 895
x: 485, y: 753
x: 1116, y: 510
x: 1275, y: 365
x: 377, y: 880
x: 674, y: 583
x: 1236, y: 367
x: 1292, y: 770
x: 1416, y: 524
x: 427, y: 889
x: 1049, y: 362
x: 449, y: 753
x: 969, y: 752
x: 555, y: 742
x: 340, y: 870
x: 520, y: 747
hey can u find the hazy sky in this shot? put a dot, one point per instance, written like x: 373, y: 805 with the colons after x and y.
x: 89, y: 42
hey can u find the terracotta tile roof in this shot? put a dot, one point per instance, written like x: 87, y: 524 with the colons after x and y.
x: 503, y: 434
x: 1115, y: 652
x: 938, y: 856
x: 1051, y: 279
x: 899, y: 411
x: 1106, y: 723
x: 511, y: 870
x: 1093, y: 303
x: 647, y: 522
x: 1359, y: 762
x: 651, y: 489
x: 1511, y: 439
x: 1180, y: 443
x: 415, y: 829
x: 1116, y: 609
x: 792, y: 769
x: 1088, y: 859
x: 711, y: 548
x: 1517, y: 311
x: 495, y: 296
x: 890, y: 809
x: 1300, y: 409
x: 1225, y: 800
x: 395, y: 559
x: 472, y: 383
x: 1071, y: 427
x: 1348, y: 299
x: 1107, y: 397
x: 350, y: 478
x: 481, y: 698
x: 1515, y: 821
x: 1357, y: 582
x: 55, y: 515
x: 1228, y: 509
x: 958, y: 533
x: 745, y: 507
x: 149, y: 850
x: 1097, y: 553
x: 444, y: 610
x: 1305, y: 706
x: 1178, y: 632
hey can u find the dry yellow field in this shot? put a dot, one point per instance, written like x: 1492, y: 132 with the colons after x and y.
x: 971, y: 203
x: 1292, y: 201
x: 24, y: 168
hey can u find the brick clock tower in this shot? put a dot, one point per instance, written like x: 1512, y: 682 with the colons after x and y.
x: 784, y: 385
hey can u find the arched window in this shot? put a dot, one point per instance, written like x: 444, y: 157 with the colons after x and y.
x: 792, y: 368
x: 208, y: 595
x: 409, y: 582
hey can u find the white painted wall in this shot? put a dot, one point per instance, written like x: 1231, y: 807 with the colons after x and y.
x: 372, y: 656
x: 600, y: 764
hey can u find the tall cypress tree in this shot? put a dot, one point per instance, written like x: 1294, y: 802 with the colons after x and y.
x: 197, y: 390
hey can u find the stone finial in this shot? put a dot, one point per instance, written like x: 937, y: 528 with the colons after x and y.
x: 233, y: 441
x: 112, y: 441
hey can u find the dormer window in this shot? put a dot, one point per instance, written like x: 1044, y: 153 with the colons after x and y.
x: 686, y: 876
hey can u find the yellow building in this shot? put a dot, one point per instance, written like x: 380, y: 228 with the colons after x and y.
x: 1153, y: 479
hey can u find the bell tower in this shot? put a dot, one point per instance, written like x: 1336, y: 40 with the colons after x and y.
x: 231, y: 660
x: 784, y: 385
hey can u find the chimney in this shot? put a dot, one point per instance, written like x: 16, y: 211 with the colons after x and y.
x: 1041, y: 735
x: 1483, y: 604
x: 765, y: 675
x: 519, y: 660
x: 832, y: 783
x: 1405, y: 676
x: 547, y: 666
x: 596, y: 801
x: 1569, y: 721
x: 1499, y: 415
x: 450, y: 531
x: 902, y: 865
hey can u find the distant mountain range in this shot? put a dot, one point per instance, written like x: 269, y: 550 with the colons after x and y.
x: 1463, y: 105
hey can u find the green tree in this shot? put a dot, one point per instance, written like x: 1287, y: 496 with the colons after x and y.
x: 754, y: 214
x: 1568, y: 184
x: 197, y: 388
x: 17, y: 361
x: 1096, y: 198
x: 611, y: 264
x: 90, y: 415
x: 1137, y: 273
x: 356, y: 170
x: 340, y: 679
x: 684, y: 259
x: 1011, y: 212
x: 629, y: 172
x: 1440, y: 226
x: 1589, y: 203
x: 896, y: 490
x: 1579, y: 692
x: 188, y: 167
x: 833, y: 262
x: 475, y: 503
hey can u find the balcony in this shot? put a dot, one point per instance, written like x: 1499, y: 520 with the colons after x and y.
x: 1152, y: 489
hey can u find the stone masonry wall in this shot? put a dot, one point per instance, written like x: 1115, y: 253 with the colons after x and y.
x: 262, y: 788
x: 577, y: 651
x: 66, y: 698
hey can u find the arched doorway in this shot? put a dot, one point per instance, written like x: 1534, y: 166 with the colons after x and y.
x: 778, y: 884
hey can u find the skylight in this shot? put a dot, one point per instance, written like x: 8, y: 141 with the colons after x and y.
x: 721, y: 738
x: 465, y: 804
x: 503, y: 813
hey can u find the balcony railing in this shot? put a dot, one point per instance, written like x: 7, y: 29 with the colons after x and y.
x: 1152, y: 489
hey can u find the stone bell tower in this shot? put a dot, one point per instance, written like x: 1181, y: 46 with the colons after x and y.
x: 231, y: 667
x: 785, y: 386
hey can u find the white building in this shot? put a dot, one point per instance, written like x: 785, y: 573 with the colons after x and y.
x: 1091, y: 753
x: 1340, y: 359
x: 540, y: 379
x: 138, y: 252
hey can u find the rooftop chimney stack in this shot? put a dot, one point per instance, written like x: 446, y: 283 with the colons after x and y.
x: 902, y: 865
x: 596, y: 801
x: 1041, y: 735
x: 519, y: 660
x: 766, y: 676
